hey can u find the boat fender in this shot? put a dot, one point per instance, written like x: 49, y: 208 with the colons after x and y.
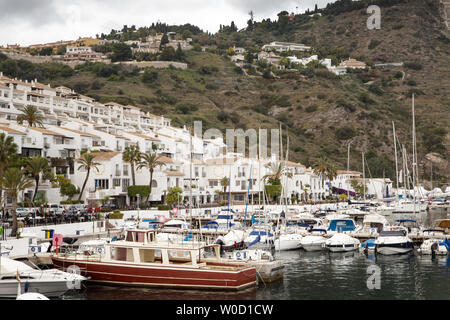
x: 26, y: 286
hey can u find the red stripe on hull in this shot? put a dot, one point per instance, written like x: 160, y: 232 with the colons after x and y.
x: 162, y: 275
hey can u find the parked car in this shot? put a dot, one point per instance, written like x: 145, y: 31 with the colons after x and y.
x: 23, y: 212
x: 56, y: 209
x: 78, y: 209
x: 111, y: 206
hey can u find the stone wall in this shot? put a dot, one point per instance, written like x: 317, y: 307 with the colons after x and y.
x: 156, y: 64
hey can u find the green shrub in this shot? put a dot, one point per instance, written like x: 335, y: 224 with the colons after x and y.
x: 144, y: 191
x: 163, y: 207
x: 413, y: 65
x: 373, y: 44
x: 345, y: 133
x: 116, y: 215
x: 311, y: 109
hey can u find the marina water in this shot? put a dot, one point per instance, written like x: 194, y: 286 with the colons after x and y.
x: 323, y: 275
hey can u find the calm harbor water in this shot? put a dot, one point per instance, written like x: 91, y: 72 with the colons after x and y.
x: 322, y: 275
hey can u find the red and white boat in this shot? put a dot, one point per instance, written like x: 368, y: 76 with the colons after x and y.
x: 141, y: 260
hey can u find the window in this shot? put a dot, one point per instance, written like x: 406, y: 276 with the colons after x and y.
x: 116, y: 182
x: 101, y: 183
x: 125, y: 184
x: 125, y: 170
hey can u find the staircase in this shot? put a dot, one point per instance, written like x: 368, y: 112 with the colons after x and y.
x: 445, y: 5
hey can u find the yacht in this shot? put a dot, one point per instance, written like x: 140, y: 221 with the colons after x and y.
x: 435, y: 246
x: 393, y: 241
x: 141, y: 260
x: 341, y: 242
x: 51, y: 282
x: 374, y: 223
x: 314, y: 241
x: 409, y: 207
x: 288, y: 241
x: 341, y: 223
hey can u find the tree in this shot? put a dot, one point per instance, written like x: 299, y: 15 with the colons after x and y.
x: 121, y: 52
x: 230, y: 51
x: 14, y: 181
x: 168, y: 54
x: 150, y: 161
x: 164, y: 41
x: 357, y: 186
x: 132, y: 155
x: 66, y: 188
x: 179, y: 54
x: 224, y: 183
x: 149, y: 76
x: 8, y: 151
x: 36, y: 166
x: 174, y: 195
x: 276, y: 171
x: 87, y: 163
x: 32, y: 116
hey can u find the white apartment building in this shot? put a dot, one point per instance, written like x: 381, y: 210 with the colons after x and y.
x: 285, y: 46
x: 74, y: 123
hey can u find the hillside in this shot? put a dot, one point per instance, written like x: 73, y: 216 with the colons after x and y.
x: 321, y: 112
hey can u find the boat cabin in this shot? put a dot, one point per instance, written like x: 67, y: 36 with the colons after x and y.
x: 141, y: 246
x: 342, y: 225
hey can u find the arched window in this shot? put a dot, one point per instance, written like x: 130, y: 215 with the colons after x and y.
x: 154, y: 184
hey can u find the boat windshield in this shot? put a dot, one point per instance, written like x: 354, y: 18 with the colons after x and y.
x: 400, y: 233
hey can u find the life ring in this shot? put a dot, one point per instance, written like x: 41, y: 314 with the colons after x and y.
x: 33, y: 249
x: 238, y: 254
x: 100, y: 249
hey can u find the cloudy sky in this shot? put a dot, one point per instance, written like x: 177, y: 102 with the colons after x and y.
x: 39, y: 21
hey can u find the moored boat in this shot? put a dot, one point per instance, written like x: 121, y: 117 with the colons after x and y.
x: 140, y: 260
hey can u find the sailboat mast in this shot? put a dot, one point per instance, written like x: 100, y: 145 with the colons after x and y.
x: 364, y: 177
x: 414, y: 161
x: 395, y: 152
x: 190, y: 174
x: 348, y: 169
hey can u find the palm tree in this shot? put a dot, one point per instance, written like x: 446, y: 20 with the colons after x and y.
x: 87, y: 163
x: 35, y: 166
x: 31, y: 115
x: 8, y: 150
x: 276, y: 171
x: 323, y: 168
x: 132, y: 155
x: 150, y: 161
x: 14, y: 181
x: 224, y: 183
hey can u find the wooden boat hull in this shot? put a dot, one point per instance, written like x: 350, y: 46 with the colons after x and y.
x: 177, y: 276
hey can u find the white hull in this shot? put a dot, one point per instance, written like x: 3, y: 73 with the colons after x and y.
x: 393, y: 250
x: 51, y: 288
x: 343, y: 248
x: 284, y: 245
x: 313, y: 247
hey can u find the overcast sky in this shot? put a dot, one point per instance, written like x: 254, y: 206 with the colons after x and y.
x: 39, y: 21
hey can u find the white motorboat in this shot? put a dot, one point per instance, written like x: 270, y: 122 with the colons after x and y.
x: 51, y: 283
x: 393, y: 241
x: 435, y: 246
x: 374, y: 223
x: 315, y: 241
x: 341, y: 223
x: 409, y: 207
x: 341, y: 242
x: 288, y: 241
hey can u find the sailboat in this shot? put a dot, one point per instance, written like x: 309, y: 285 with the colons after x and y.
x: 408, y: 206
x: 288, y: 239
